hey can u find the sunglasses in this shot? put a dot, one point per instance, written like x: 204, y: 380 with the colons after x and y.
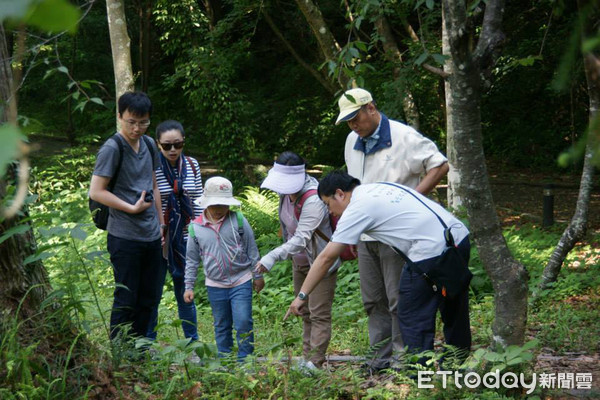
x: 169, y: 146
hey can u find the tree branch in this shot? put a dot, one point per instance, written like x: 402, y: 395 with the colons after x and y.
x: 491, y: 32
x: 325, y: 83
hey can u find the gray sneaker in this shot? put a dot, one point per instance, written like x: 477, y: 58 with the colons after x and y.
x: 306, y: 367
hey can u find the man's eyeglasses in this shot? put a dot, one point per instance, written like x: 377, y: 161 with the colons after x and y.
x: 139, y: 124
x: 169, y: 146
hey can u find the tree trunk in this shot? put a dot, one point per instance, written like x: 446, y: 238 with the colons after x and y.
x: 25, y: 284
x: 214, y: 11
x: 393, y: 55
x: 327, y: 43
x: 578, y: 225
x: 509, y: 277
x: 454, y: 178
x: 121, y: 47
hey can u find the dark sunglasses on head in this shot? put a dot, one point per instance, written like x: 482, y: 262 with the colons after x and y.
x: 169, y: 146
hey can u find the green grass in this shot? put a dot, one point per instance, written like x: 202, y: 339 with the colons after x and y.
x: 564, y: 319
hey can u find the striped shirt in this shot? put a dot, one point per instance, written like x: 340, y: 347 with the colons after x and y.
x: 192, y: 184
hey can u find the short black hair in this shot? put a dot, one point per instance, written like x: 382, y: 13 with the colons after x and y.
x: 169, y: 125
x: 290, y: 158
x: 137, y: 103
x: 337, y: 180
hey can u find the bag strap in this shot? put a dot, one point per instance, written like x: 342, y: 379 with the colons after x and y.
x: 192, y: 232
x: 447, y: 234
x: 191, y: 165
x: 298, y: 210
x: 113, y: 180
x: 300, y: 202
x: 148, y: 142
x: 240, y: 222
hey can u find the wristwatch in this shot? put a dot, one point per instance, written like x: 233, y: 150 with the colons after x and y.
x: 302, y: 296
x: 163, y: 226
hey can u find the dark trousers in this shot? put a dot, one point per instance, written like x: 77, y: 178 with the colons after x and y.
x: 418, y: 306
x: 139, y: 277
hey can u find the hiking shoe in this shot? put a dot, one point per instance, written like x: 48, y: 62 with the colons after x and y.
x: 306, y: 367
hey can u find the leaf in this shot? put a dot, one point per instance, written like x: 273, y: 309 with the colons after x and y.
x: 421, y: 58
x: 440, y: 58
x: 530, y: 345
x: 63, y: 69
x: 97, y: 100
x: 15, y: 230
x: 512, y: 352
x: 53, y: 16
x: 515, y: 361
x: 362, y: 46
x: 590, y: 45
x: 9, y: 150
x: 49, y: 73
x: 37, y: 257
x: 429, y: 4
x: 493, y: 357
x: 79, y: 234
x: 13, y: 9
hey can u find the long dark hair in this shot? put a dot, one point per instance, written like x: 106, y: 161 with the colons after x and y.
x: 290, y: 158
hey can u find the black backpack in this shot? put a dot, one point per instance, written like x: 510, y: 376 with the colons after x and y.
x: 100, y: 211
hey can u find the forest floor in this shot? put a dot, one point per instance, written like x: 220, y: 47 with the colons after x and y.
x: 518, y: 195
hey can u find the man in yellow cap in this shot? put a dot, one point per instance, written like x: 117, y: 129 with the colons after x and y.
x: 380, y: 149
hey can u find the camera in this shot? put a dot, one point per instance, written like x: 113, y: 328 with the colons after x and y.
x: 149, y: 196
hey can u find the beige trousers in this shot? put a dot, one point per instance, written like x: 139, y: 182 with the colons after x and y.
x: 379, y: 269
x: 317, y: 316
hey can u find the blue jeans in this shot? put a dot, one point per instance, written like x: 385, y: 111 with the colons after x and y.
x: 186, y: 311
x: 232, y: 307
x: 139, y: 277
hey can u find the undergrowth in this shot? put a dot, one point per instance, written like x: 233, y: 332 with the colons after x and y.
x: 68, y: 354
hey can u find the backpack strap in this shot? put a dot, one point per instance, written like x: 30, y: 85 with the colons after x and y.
x: 192, y: 231
x: 298, y: 210
x: 301, y: 200
x: 189, y: 160
x: 240, y: 222
x: 113, y: 180
x: 148, y: 142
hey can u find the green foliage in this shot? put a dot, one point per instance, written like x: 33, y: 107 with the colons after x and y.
x: 46, y: 15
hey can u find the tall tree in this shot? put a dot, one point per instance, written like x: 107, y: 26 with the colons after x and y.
x: 22, y: 281
x: 588, y: 10
x: 121, y: 47
x: 463, y: 95
x: 327, y: 43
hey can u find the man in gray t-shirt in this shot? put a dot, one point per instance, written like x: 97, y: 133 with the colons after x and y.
x: 135, y: 224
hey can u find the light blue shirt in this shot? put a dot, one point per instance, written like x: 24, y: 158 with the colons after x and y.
x: 372, y: 140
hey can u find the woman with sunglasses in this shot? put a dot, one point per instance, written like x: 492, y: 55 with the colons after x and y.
x: 179, y: 183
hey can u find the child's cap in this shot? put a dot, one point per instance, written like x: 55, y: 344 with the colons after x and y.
x: 217, y: 191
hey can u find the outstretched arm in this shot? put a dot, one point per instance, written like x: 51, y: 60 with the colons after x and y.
x: 317, y: 271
